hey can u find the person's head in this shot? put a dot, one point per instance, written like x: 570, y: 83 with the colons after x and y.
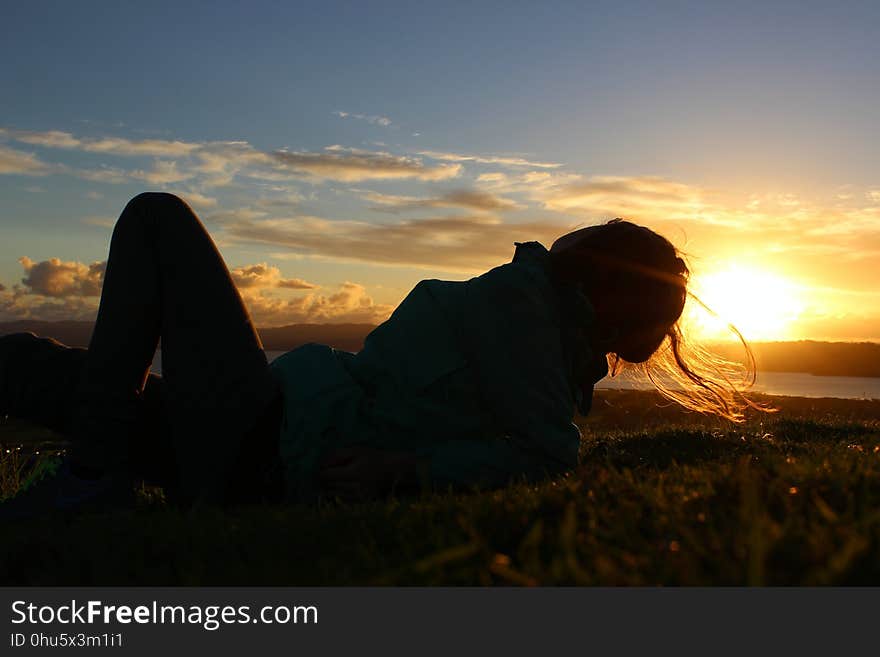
x: 637, y: 282
x: 635, y: 279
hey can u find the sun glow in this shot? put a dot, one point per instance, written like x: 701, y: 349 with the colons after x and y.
x: 761, y: 305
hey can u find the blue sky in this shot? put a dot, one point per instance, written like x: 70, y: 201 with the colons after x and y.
x: 364, y: 146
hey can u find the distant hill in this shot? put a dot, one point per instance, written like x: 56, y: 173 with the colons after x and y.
x: 74, y: 334
x: 349, y: 337
x: 811, y: 357
x: 807, y: 356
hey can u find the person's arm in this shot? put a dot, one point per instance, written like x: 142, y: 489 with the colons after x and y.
x: 498, y: 462
x: 356, y: 472
x: 365, y: 472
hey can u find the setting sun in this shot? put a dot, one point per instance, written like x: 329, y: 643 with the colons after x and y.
x: 761, y: 305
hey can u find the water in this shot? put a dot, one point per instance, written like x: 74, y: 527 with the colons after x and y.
x: 791, y: 384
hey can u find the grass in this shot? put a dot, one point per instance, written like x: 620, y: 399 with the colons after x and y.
x: 663, y: 498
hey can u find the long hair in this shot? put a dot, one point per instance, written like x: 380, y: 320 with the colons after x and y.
x: 626, y: 260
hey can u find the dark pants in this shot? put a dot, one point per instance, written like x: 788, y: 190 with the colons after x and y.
x: 207, y: 429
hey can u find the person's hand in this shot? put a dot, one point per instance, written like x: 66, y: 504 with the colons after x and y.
x: 364, y: 472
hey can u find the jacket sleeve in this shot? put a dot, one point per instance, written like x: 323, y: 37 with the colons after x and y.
x: 509, y: 328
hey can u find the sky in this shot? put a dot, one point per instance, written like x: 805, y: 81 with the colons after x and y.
x: 338, y: 153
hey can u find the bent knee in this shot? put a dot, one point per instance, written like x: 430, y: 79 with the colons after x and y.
x: 157, y: 199
x: 155, y: 207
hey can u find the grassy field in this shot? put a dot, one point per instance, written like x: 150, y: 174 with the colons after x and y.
x: 663, y: 498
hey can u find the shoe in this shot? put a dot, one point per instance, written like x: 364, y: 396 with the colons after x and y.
x: 52, y: 488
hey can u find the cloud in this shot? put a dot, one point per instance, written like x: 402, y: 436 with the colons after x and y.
x: 162, y: 173
x: 843, y: 327
x: 55, y: 278
x: 103, y: 222
x: 258, y: 284
x: 58, y: 290
x: 104, y: 174
x: 13, y: 161
x: 286, y: 200
x: 535, y: 185
x: 262, y: 276
x: 354, y: 165
x: 465, y: 198
x: 490, y: 159
x: 198, y: 200
x: 18, y: 305
x: 350, y: 303
x: 467, y: 243
x: 384, y: 121
x: 625, y: 196
x: 53, y: 290
x: 109, y: 145
x: 217, y: 163
x: 651, y: 200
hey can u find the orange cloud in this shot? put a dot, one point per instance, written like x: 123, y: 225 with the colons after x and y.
x: 464, y: 198
x: 17, y: 305
x: 262, y: 276
x: 109, y: 145
x: 490, y: 159
x: 349, y: 304
x: 633, y: 197
x: 54, y: 278
x: 467, y: 243
x: 217, y: 162
x: 13, y: 161
x: 353, y: 165
x: 60, y: 290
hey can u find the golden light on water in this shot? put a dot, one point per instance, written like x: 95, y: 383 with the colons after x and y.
x: 760, y: 304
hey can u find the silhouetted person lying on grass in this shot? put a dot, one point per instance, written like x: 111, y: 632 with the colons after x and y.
x: 468, y: 383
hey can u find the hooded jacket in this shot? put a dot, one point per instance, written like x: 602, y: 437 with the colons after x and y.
x: 480, y: 379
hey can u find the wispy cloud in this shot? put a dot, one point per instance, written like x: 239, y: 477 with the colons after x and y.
x: 464, y: 198
x: 216, y: 163
x: 502, y: 160
x: 199, y: 200
x: 534, y: 185
x: 355, y: 165
x: 109, y: 145
x: 466, y: 243
x: 13, y: 161
x: 162, y: 173
x: 374, y: 119
x: 103, y: 222
x: 634, y: 197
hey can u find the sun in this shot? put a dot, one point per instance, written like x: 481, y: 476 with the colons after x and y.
x: 760, y: 304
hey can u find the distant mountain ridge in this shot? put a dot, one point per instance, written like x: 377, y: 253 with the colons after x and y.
x: 806, y: 356
x: 349, y: 337
x: 810, y: 357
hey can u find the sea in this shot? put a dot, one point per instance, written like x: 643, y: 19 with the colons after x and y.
x: 789, y: 384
